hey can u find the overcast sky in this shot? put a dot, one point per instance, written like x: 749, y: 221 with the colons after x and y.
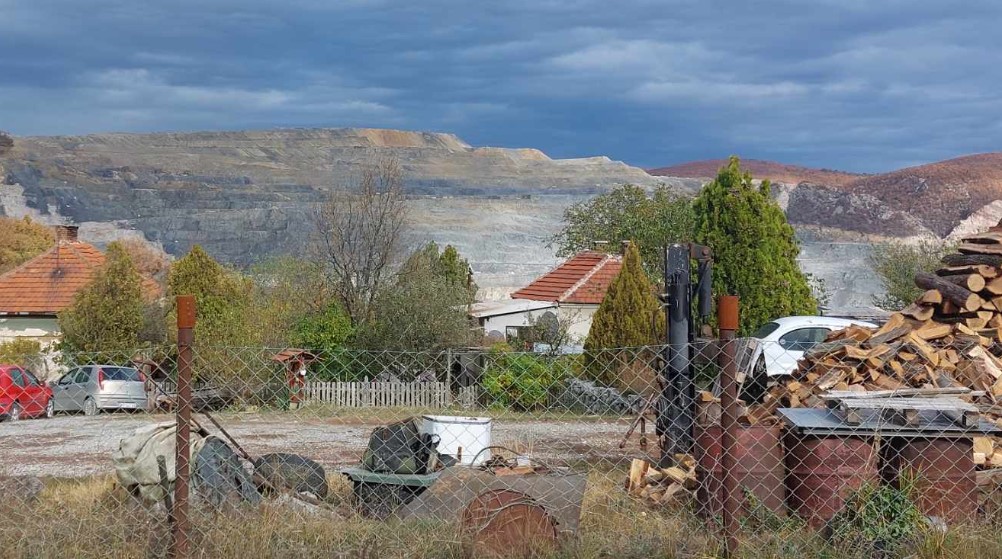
x: 848, y: 84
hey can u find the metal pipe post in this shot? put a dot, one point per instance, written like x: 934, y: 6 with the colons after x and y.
x: 185, y: 338
x: 727, y: 319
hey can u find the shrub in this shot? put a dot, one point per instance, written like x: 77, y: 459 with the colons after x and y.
x: 522, y: 381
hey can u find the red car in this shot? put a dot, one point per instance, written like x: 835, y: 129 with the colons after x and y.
x: 22, y: 394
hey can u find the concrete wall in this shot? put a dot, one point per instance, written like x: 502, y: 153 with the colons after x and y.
x: 579, y: 317
x: 42, y: 330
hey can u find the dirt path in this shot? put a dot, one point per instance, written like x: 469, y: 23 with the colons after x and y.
x: 74, y: 446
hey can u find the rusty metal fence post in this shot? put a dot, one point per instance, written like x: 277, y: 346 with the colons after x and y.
x: 185, y: 338
x: 727, y: 320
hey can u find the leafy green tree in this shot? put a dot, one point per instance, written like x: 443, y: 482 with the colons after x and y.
x: 107, y: 314
x: 21, y: 240
x: 422, y: 309
x: 630, y: 316
x: 896, y: 263
x: 326, y: 331
x: 222, y: 299
x: 628, y: 212
x: 754, y: 248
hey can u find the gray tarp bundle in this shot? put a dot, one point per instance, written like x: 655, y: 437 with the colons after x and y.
x: 218, y: 476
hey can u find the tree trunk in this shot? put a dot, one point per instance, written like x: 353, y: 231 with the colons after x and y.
x: 952, y: 292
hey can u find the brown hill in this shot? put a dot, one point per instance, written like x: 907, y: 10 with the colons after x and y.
x: 940, y: 194
x: 775, y: 172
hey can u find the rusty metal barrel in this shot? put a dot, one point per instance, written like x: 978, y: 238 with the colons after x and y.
x: 507, y: 523
x: 945, y: 482
x: 823, y: 471
x: 759, y: 468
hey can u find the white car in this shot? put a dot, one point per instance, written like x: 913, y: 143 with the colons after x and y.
x: 778, y: 345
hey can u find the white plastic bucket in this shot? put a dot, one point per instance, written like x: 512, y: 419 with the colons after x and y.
x: 463, y: 438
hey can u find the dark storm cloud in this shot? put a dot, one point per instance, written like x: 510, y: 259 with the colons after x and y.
x: 850, y: 84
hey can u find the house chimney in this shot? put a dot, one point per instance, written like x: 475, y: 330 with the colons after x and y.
x: 599, y: 246
x: 623, y: 245
x: 66, y: 232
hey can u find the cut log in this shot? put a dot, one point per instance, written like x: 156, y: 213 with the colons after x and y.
x: 987, y: 238
x: 919, y: 312
x: 986, y: 272
x: 952, y: 292
x: 970, y: 282
x: 975, y: 248
x: 972, y: 260
x: 994, y: 286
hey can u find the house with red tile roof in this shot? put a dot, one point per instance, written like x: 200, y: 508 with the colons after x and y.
x: 33, y: 294
x: 571, y: 292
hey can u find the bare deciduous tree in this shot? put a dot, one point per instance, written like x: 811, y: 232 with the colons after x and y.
x: 360, y: 234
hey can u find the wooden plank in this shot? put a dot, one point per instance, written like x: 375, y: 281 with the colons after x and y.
x: 986, y: 238
x: 902, y: 393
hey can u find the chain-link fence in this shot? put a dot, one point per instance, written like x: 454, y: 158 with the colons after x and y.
x: 855, y: 443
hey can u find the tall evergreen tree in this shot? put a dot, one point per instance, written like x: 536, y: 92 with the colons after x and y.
x: 754, y: 248
x: 107, y: 314
x: 629, y: 316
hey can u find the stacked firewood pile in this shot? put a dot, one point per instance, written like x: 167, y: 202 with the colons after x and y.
x: 664, y: 486
x: 946, y: 342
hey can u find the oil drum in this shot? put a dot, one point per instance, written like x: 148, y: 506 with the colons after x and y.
x: 822, y: 471
x: 943, y: 476
x: 758, y: 467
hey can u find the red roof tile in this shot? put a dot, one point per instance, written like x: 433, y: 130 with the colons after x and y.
x: 47, y: 283
x: 583, y: 279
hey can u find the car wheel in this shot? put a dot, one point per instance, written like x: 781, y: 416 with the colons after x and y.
x: 50, y: 409
x: 90, y: 407
x: 15, y: 413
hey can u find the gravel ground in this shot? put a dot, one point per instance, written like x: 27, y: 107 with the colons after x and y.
x: 76, y: 446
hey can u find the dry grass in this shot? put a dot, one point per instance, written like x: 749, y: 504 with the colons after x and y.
x: 92, y: 518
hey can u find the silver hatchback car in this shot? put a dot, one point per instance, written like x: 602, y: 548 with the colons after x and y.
x: 100, y: 387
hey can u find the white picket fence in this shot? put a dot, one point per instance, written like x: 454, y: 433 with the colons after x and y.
x: 390, y: 394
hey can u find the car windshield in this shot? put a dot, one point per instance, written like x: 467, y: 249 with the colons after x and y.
x: 765, y: 330
x: 120, y: 373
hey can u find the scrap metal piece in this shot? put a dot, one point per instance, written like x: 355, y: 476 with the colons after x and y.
x: 558, y: 493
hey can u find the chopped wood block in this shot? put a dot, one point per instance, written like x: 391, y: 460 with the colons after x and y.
x: 930, y: 297
x: 705, y: 396
x: 986, y: 315
x: 980, y: 459
x: 685, y: 461
x: 933, y: 331
x: 897, y: 368
x: 887, y: 382
x: 896, y: 320
x: 638, y: 470
x: 907, y: 356
x: 996, y: 460
x: 671, y: 492
x: 984, y: 445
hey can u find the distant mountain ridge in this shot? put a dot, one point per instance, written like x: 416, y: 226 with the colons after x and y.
x: 775, y: 172
x: 934, y: 198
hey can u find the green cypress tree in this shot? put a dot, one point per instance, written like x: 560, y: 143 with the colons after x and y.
x: 754, y: 248
x: 630, y: 316
x: 107, y: 314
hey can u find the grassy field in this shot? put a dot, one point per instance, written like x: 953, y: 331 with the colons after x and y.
x: 92, y: 518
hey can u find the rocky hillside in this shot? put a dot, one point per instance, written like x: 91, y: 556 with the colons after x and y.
x: 942, y: 195
x: 244, y: 195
